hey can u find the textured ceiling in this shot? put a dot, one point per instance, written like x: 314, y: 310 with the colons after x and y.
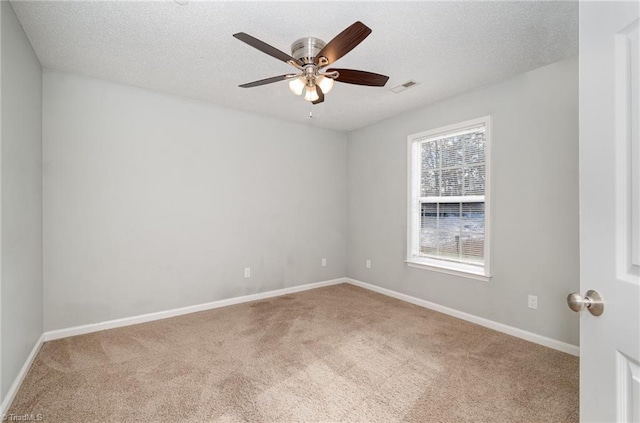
x: 448, y: 47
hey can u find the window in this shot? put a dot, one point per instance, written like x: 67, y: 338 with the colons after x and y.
x: 448, y: 199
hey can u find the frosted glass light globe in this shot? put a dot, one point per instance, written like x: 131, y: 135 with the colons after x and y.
x: 310, y: 94
x: 296, y: 85
x: 324, y: 83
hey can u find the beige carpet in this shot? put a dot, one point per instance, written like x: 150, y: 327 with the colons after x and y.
x: 339, y: 353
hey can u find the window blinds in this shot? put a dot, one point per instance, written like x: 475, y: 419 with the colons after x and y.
x: 451, y: 196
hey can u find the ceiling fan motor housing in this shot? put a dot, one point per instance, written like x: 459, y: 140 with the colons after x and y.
x: 305, y: 49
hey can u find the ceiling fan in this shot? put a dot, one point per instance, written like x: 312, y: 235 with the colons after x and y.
x: 310, y: 56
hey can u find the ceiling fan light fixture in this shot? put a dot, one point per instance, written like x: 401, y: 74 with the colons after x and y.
x: 325, y: 83
x: 310, y: 93
x: 309, y: 56
x: 297, y: 85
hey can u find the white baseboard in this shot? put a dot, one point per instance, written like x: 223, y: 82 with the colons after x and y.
x: 143, y: 318
x: 500, y: 327
x: 11, y: 394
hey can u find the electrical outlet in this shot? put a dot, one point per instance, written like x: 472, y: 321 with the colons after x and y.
x: 533, y: 302
x: 368, y: 264
x: 324, y: 262
x: 247, y: 272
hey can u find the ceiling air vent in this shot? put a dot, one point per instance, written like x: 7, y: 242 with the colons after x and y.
x: 410, y: 83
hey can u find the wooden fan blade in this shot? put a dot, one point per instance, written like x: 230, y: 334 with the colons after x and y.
x: 358, y: 77
x: 265, y: 48
x: 266, y: 81
x: 343, y: 43
x: 320, y: 96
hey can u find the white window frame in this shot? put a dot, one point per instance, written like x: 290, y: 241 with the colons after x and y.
x: 482, y: 273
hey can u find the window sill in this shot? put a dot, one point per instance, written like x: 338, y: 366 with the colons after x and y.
x: 455, y: 269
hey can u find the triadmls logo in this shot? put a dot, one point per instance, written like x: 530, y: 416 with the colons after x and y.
x: 23, y: 417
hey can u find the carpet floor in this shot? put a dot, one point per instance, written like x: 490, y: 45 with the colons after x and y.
x: 333, y: 354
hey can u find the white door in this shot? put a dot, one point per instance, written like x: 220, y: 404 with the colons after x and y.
x: 610, y: 210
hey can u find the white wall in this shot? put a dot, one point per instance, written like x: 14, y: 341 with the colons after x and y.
x: 534, y: 207
x: 2, y: 395
x: 21, y: 199
x: 153, y: 202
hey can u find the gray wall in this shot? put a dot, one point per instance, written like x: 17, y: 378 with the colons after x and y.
x: 534, y: 221
x: 153, y: 202
x: 21, y: 200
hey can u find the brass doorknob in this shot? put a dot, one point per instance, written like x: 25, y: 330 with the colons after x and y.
x: 592, y: 301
